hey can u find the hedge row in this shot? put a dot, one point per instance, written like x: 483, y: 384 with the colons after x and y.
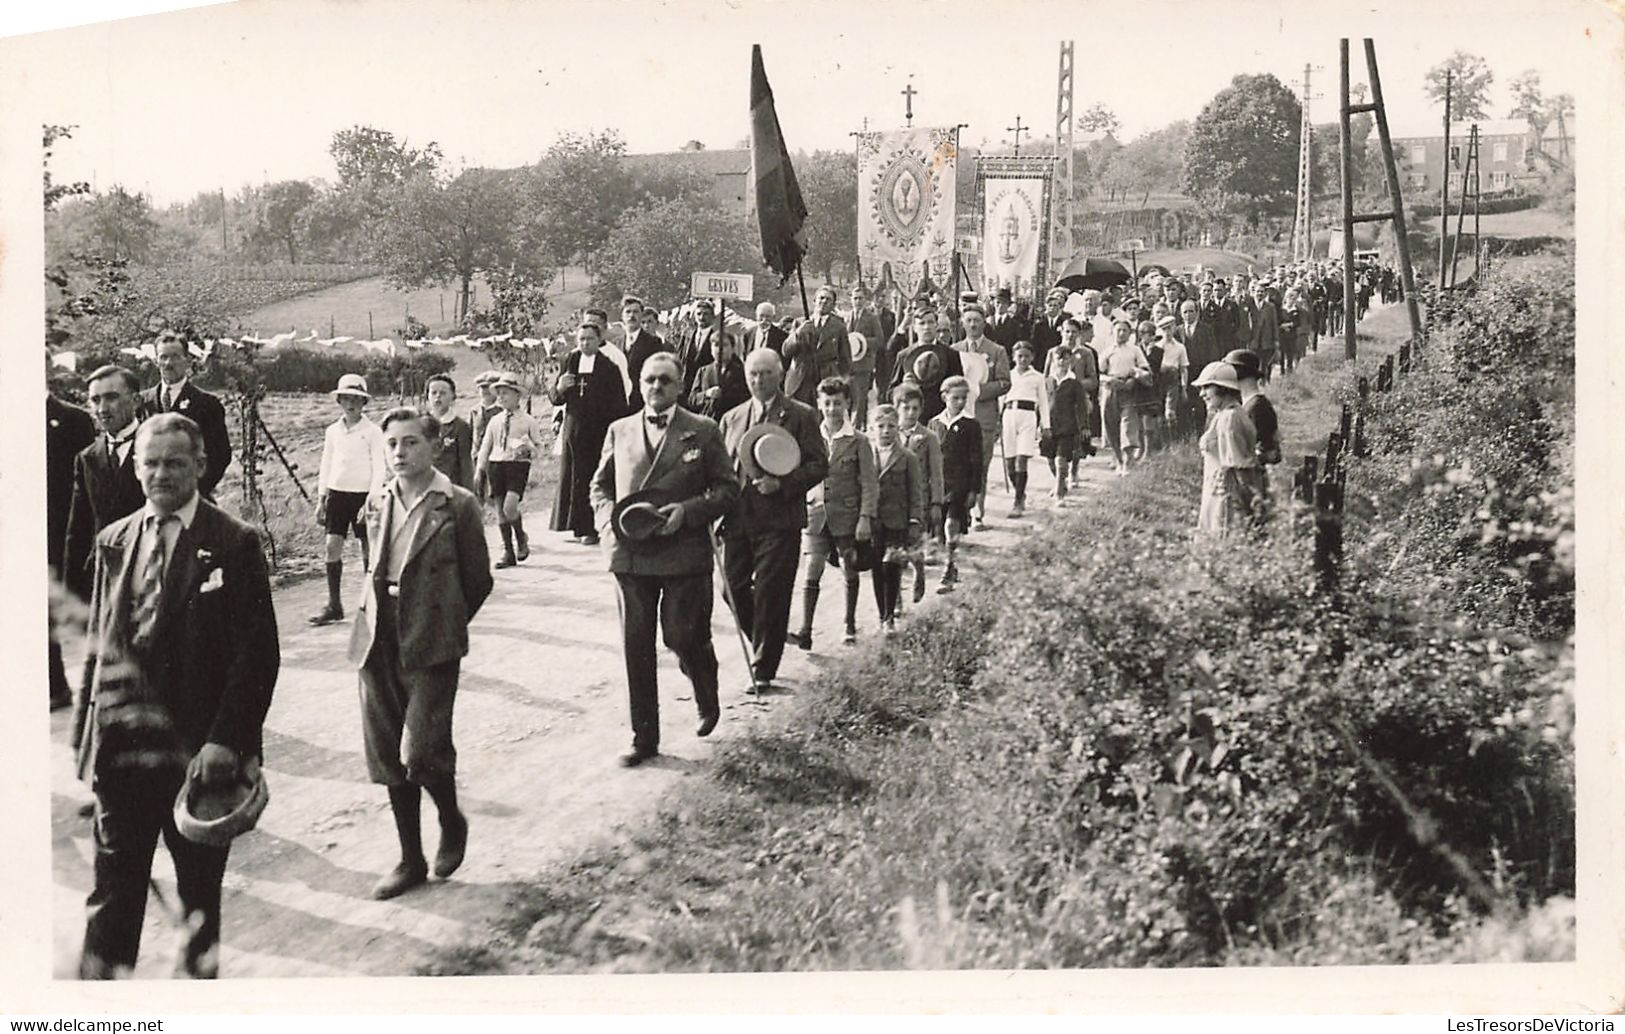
x: 287, y: 369
x: 1487, y: 206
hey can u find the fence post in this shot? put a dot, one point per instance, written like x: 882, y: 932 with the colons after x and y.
x: 1345, y: 423
x: 1334, y: 450
x: 1306, y: 478
x: 1359, y: 435
x: 1328, y: 531
x: 1404, y: 358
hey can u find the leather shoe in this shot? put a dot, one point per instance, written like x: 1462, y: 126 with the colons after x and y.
x: 800, y: 639
x: 707, y: 723
x: 637, y: 757
x: 327, y: 616
x: 453, y: 843
x: 399, y: 880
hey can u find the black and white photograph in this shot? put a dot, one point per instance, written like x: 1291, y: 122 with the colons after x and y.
x: 456, y: 412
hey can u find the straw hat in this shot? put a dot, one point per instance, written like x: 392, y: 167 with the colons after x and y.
x: 352, y: 384
x: 1220, y: 374
x: 768, y: 450
x: 216, y: 815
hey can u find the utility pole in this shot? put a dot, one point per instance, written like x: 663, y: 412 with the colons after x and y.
x: 1061, y: 243
x: 224, y: 248
x: 1018, y: 129
x: 1303, y: 219
x: 1444, y: 181
x: 908, y: 93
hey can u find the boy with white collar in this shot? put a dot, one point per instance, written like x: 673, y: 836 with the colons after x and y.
x: 961, y: 438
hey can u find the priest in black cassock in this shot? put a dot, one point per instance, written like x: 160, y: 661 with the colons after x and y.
x: 590, y: 390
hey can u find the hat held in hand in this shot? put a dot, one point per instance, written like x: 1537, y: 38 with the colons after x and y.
x: 217, y: 815
x: 768, y: 450
x: 637, y: 518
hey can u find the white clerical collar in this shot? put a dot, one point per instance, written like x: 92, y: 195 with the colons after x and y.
x: 186, y: 513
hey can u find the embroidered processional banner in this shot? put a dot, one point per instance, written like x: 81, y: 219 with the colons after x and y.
x: 1013, y: 203
x: 906, y: 202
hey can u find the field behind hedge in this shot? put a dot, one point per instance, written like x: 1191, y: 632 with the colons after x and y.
x: 1124, y: 747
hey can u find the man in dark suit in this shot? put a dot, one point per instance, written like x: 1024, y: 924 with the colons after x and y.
x: 175, y: 393
x: 766, y: 333
x: 1046, y: 329
x: 1005, y: 326
x: 68, y: 430
x: 182, y: 661
x: 694, y: 347
x: 104, y: 483
x: 823, y: 350
x: 431, y: 571
x: 640, y: 345
x: 762, y: 535
x: 665, y: 580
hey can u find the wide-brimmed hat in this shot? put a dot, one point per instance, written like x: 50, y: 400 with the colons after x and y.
x: 860, y: 346
x: 507, y: 379
x: 1220, y: 374
x: 1165, y: 321
x: 353, y: 384
x: 928, y: 367
x: 637, y: 518
x: 217, y: 815
x: 768, y: 450
x: 1246, y: 363
x: 485, y: 377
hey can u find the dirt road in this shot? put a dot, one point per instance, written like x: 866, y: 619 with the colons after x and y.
x: 541, y: 719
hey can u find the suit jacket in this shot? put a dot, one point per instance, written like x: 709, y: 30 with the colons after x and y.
x: 1265, y: 327
x: 775, y: 337
x: 902, y: 491
x: 867, y: 324
x: 1201, y: 345
x: 961, y: 453
x: 786, y: 509
x: 210, y: 415
x: 1045, y: 336
x: 68, y: 431
x: 103, y: 491
x: 927, y: 448
x: 1007, y: 329
x: 828, y: 353
x: 456, y: 459
x: 997, y: 383
x: 694, y: 348
x: 691, y: 463
x: 210, y: 667
x: 850, y: 490
x: 638, y: 350
x: 446, y: 577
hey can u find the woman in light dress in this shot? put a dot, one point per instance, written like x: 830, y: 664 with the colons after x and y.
x: 1232, y: 482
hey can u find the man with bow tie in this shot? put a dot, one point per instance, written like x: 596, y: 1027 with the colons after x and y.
x: 175, y: 393
x: 182, y: 659
x: 665, y: 581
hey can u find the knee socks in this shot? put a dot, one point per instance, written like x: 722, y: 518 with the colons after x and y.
x: 507, y: 537
x: 335, y: 574
x: 809, y: 605
x: 444, y: 792
x: 407, y: 804
x: 366, y: 553
x: 852, y: 601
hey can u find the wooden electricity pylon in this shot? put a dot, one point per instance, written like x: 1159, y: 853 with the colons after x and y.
x: 1397, y: 212
x: 1303, y: 218
x: 1469, y: 183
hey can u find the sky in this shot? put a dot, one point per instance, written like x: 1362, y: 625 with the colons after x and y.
x: 222, y: 96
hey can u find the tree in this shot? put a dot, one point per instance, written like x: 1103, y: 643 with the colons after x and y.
x: 120, y: 225
x: 1100, y: 155
x: 581, y: 188
x: 659, y: 244
x: 368, y: 157
x: 1469, y: 85
x: 829, y: 184
x: 1529, y: 103
x: 439, y: 231
x: 279, y: 217
x: 1562, y: 111
x: 55, y: 192
x: 1099, y: 119
x: 1152, y: 162
x: 1242, y: 153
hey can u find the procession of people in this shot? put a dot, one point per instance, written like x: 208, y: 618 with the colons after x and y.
x: 723, y: 455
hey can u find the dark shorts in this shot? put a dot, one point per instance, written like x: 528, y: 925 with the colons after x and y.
x: 342, y: 510
x: 1064, y: 447
x: 504, y: 476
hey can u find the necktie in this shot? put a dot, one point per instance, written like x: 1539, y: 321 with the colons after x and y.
x: 659, y: 420
x: 150, y: 588
x: 169, y: 399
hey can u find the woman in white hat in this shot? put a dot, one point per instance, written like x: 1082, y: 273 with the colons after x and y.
x: 1232, y: 482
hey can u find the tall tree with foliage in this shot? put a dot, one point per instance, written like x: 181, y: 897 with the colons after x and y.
x: 374, y: 158
x: 450, y: 230
x: 829, y: 185
x: 119, y: 224
x: 660, y: 244
x: 55, y: 192
x: 1242, y: 154
x: 1470, y: 81
x: 279, y: 222
x: 581, y: 188
x: 1099, y: 119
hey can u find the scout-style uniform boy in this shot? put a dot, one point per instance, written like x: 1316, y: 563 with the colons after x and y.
x: 353, y: 467
x: 431, y: 573
x: 927, y: 448
x: 512, y: 438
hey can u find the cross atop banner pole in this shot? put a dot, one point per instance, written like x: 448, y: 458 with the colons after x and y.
x: 908, y: 93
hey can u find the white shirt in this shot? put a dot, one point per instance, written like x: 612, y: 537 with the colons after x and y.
x: 124, y: 441
x: 172, y: 530
x: 353, y: 458
x: 1030, y: 387
x: 1174, y: 354
x: 657, y: 434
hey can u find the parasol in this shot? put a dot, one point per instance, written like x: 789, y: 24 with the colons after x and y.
x: 1083, y: 274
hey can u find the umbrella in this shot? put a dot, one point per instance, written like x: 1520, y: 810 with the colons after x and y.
x: 1155, y: 268
x: 1094, y: 273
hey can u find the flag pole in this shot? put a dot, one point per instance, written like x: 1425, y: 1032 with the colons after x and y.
x: 803, y: 282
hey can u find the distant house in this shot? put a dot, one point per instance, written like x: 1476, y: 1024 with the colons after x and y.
x: 1506, y: 159
x: 728, y: 171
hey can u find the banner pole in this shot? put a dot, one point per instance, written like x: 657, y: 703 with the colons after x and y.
x: 805, y: 308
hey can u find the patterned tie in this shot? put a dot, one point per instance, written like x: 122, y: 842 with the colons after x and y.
x: 169, y: 399
x: 150, y: 589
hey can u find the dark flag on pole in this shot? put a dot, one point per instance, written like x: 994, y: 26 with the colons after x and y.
x: 780, y: 211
